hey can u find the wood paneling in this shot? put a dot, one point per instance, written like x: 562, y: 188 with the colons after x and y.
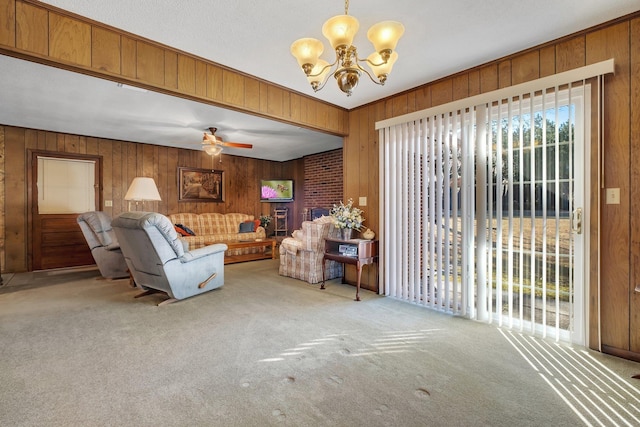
x: 105, y: 50
x: 423, y: 98
x: 128, y: 57
x: 460, y: 86
x: 504, y: 74
x: 69, y: 40
x: 570, y: 54
x: 201, y: 79
x: 547, y: 61
x: 2, y: 205
x: 214, y: 83
x: 635, y: 185
x: 150, y: 63
x: 525, y: 67
x: 15, y: 206
x: 32, y: 28
x: 613, y: 42
x: 488, y: 78
x: 171, y: 70
x: 186, y: 74
x: 275, y: 98
x: 8, y: 22
x: 442, y: 92
x: 233, y: 88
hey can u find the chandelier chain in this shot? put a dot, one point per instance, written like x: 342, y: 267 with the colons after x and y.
x: 346, y: 7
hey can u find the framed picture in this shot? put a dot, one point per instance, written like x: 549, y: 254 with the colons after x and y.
x: 200, y: 185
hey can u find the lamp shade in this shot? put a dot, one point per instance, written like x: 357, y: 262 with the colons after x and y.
x: 340, y: 30
x: 318, y: 74
x: 385, y: 35
x: 212, y: 149
x: 143, y: 189
x: 307, y: 51
x: 384, y: 69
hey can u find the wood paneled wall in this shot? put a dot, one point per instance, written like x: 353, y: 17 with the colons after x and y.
x: 42, y: 33
x: 619, y: 228
x: 122, y: 161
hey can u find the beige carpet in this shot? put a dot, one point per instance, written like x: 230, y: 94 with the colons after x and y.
x: 266, y: 350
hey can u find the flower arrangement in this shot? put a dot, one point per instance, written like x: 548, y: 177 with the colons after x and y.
x: 347, y: 216
x: 265, y: 220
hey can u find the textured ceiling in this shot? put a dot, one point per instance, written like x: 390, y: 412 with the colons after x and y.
x: 254, y: 36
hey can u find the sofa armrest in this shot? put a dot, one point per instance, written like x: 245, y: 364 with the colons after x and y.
x: 203, y: 252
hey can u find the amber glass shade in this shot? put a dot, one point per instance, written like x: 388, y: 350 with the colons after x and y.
x: 340, y: 30
x: 384, y: 69
x: 318, y: 74
x: 385, y: 35
x: 307, y: 51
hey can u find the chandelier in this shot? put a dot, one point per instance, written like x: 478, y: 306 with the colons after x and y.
x: 340, y: 31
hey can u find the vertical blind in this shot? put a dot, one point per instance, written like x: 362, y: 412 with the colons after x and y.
x: 480, y: 203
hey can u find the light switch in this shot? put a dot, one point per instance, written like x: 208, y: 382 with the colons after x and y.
x: 108, y: 203
x: 363, y: 201
x: 613, y: 196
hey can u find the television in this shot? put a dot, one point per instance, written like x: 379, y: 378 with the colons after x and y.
x: 276, y: 190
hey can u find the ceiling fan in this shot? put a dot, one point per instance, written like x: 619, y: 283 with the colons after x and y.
x: 212, y: 144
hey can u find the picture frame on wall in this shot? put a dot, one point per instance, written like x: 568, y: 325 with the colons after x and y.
x: 200, y: 185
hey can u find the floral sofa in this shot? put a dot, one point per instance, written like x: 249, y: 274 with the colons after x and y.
x: 301, y: 255
x: 216, y: 228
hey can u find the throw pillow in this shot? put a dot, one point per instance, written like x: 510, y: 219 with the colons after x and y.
x: 298, y: 235
x: 256, y: 224
x: 186, y: 229
x: 180, y: 231
x: 246, y: 227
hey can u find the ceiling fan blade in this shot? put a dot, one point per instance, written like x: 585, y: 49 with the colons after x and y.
x: 235, y: 144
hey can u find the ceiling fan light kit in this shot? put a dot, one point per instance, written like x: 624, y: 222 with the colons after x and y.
x: 213, y: 144
x: 340, y: 31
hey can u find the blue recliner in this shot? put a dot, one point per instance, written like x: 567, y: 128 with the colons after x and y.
x: 157, y: 258
x: 104, y: 246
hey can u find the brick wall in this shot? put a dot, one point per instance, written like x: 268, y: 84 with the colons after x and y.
x: 323, y: 179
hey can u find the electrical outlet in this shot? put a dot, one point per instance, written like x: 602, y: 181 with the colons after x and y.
x: 613, y: 196
x: 362, y: 201
x: 108, y: 203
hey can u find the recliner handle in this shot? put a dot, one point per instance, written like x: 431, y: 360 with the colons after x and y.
x: 203, y: 284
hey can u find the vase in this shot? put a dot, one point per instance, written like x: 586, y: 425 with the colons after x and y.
x: 369, y: 234
x: 346, y: 233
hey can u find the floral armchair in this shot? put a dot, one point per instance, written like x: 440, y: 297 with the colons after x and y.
x: 301, y: 255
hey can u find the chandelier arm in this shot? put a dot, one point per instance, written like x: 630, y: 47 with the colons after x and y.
x: 326, y: 79
x: 369, y: 74
x: 324, y: 68
x: 370, y: 62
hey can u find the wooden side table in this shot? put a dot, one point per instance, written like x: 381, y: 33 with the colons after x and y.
x: 280, y: 217
x: 358, y: 252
